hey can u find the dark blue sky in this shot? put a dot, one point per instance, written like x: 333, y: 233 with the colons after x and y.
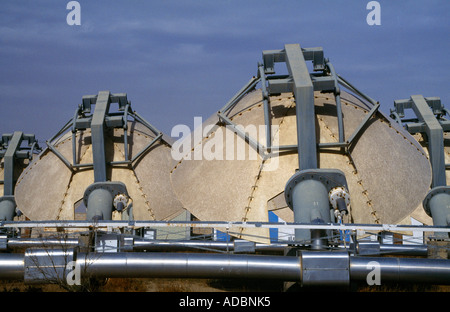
x: 180, y: 59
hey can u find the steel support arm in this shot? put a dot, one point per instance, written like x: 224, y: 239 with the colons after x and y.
x: 98, y: 140
x: 304, y: 97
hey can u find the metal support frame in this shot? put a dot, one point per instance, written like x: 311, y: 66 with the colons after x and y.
x: 84, y: 119
x: 98, y: 142
x: 430, y: 121
x: 99, y: 196
x: 304, y: 97
x: 11, y: 151
x: 307, y: 194
x: 324, y: 79
x: 303, y: 84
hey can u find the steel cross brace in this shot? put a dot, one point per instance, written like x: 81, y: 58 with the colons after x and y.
x: 103, y: 119
x: 327, y: 81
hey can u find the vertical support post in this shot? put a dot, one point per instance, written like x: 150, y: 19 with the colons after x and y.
x: 435, y: 136
x: 304, y: 97
x: 11, y: 155
x: 311, y: 204
x: 98, y: 141
x: 437, y: 201
x: 13, y: 146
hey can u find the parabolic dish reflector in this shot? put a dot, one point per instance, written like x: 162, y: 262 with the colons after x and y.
x: 387, y: 171
x: 49, y: 190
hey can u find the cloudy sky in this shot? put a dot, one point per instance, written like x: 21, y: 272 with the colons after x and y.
x: 180, y: 59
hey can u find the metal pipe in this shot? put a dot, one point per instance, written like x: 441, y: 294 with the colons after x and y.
x: 7, y: 207
x: 286, y: 268
x: 155, y: 245
x: 41, y: 242
x: 184, y: 265
x: 437, y: 205
x: 401, y: 270
x: 12, y: 266
x: 100, y: 203
x: 410, y: 250
x: 310, y: 202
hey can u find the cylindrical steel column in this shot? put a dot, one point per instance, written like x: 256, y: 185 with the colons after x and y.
x: 440, y: 210
x: 310, y: 204
x: 437, y: 206
x: 7, y: 208
x: 100, y: 204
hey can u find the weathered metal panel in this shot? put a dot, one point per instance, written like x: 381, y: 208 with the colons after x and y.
x: 388, y: 173
x: 48, y: 189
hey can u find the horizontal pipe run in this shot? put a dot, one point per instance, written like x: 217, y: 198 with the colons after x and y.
x: 155, y: 245
x: 225, y: 266
x: 42, y: 242
x: 406, y: 250
x: 219, y: 224
x: 12, y: 266
x: 185, y: 265
x: 186, y: 245
x: 401, y: 270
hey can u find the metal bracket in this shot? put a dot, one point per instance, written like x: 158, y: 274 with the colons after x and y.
x: 325, y: 268
x: 331, y: 178
x: 100, y: 119
x: 115, y: 188
x: 326, y: 81
x: 12, y: 151
x: 429, y: 120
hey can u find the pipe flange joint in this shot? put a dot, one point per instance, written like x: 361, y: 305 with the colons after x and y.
x: 120, y: 201
x: 431, y: 193
x: 336, y: 193
x: 331, y: 178
x: 114, y: 187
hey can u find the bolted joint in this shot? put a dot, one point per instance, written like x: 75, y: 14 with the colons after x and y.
x: 340, y: 201
x: 99, y: 199
x: 307, y: 194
